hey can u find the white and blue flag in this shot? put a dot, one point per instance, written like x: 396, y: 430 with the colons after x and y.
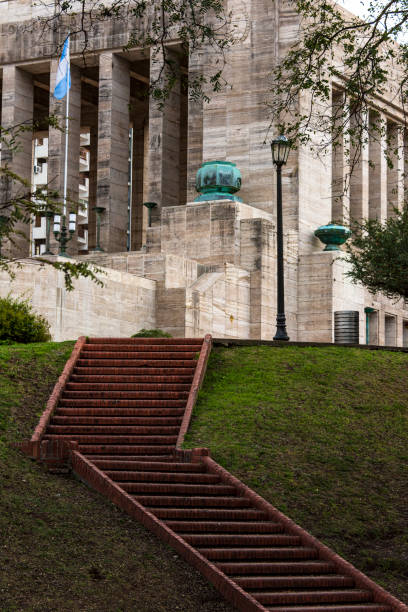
x: 63, y: 80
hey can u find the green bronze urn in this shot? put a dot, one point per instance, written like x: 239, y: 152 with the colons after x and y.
x: 332, y: 235
x: 218, y: 180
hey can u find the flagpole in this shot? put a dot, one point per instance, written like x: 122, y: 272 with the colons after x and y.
x: 64, y: 210
x: 64, y: 231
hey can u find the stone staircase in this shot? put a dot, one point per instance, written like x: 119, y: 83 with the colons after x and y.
x: 122, y: 408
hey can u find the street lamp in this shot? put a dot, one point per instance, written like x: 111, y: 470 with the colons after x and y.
x: 61, y: 231
x: 149, y: 206
x: 280, y: 151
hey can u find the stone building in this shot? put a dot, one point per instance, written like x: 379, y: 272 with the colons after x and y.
x: 204, y: 266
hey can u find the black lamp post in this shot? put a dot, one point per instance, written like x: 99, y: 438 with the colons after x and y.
x: 63, y: 234
x: 280, y: 151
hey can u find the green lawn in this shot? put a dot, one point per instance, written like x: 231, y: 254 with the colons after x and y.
x: 322, y: 434
x: 63, y: 547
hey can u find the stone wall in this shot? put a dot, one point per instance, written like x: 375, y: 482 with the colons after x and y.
x: 220, y: 301
x: 324, y: 288
x: 124, y: 305
x: 215, y: 268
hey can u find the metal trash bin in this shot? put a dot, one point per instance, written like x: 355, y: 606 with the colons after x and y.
x: 346, y: 326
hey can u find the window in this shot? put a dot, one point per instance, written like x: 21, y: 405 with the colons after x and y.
x: 39, y: 246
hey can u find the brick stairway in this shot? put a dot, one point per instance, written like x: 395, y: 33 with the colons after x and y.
x: 127, y: 397
x: 123, y: 404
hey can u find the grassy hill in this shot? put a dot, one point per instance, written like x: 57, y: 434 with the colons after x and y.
x: 322, y: 434
x: 63, y: 547
x: 319, y: 432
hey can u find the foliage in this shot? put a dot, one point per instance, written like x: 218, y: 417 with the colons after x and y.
x: 151, y: 333
x: 19, y: 323
x: 378, y: 254
x: 337, y: 47
x: 322, y: 434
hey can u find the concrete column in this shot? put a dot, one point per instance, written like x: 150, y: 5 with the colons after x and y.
x: 340, y: 165
x: 405, y: 163
x: 164, y: 144
x: 183, y: 154
x: 377, y: 169
x: 113, y: 150
x: 359, y: 191
x: 93, y: 171
x: 400, y: 330
x: 395, y: 175
x: 17, y: 108
x: 138, y: 224
x: 381, y: 327
x: 194, y: 132
x: 56, y: 145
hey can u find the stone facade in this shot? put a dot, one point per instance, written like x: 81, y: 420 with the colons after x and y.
x: 212, y: 264
x: 125, y: 303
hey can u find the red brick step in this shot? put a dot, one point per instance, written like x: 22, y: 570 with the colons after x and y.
x: 371, y: 607
x: 300, y: 552
x: 241, y: 540
x: 116, y: 420
x: 137, y: 348
x: 175, y: 477
x: 276, y: 568
x: 117, y: 394
x: 140, y: 375
x: 298, y: 597
x: 142, y: 403
x: 119, y: 440
x: 203, y: 513
x: 193, y: 501
x: 116, y: 412
x: 111, y: 450
x: 123, y: 386
x: 177, y: 489
x: 145, y: 466
x: 136, y: 356
x: 112, y: 429
x: 138, y: 458
x: 184, y: 527
x: 293, y: 582
x: 138, y: 341
x: 136, y: 363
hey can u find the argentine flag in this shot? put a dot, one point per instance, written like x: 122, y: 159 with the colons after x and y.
x: 63, y: 80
